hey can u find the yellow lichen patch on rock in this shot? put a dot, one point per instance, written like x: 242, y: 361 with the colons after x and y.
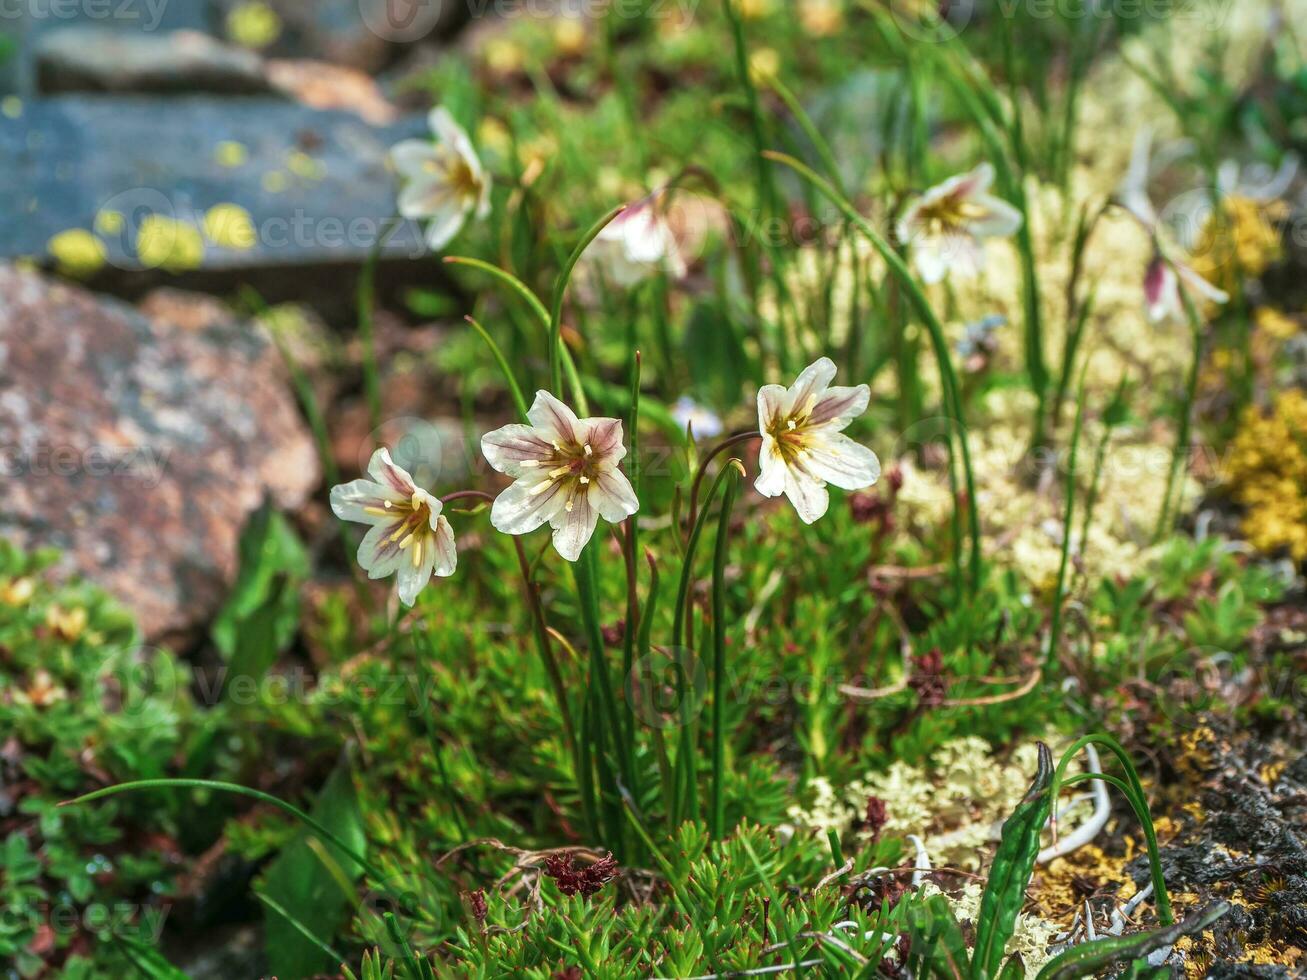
x: 253, y: 25
x: 166, y: 243
x: 77, y: 252
x: 229, y: 226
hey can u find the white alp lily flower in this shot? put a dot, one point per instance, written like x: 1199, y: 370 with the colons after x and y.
x: 409, y: 536
x: 1166, y: 274
x: 443, y: 181
x: 637, y: 243
x: 1162, y: 286
x: 803, y: 444
x: 566, y: 474
x: 946, y: 225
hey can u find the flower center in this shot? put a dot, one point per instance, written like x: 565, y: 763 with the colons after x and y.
x: 412, y: 518
x: 950, y: 211
x: 790, y: 431
x: 574, y: 466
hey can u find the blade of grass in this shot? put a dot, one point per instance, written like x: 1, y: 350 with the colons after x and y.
x: 556, y: 349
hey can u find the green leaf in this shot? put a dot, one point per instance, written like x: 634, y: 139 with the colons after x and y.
x: 1093, y: 958
x: 300, y: 881
x: 272, y: 564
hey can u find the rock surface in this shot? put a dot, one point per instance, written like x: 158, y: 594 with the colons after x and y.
x: 100, y: 59
x: 138, y: 444
x: 172, y: 185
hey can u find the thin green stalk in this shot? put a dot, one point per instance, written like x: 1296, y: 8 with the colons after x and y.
x: 366, y: 301
x: 1133, y: 790
x: 686, y: 803
x: 1068, y: 518
x: 810, y: 130
x: 584, y: 574
x: 556, y: 315
x: 297, y: 925
x: 717, y: 810
x: 1164, y: 518
x: 645, y: 645
x: 235, y: 788
x: 519, y: 400
x: 537, y: 308
x: 948, y: 377
x: 539, y: 625
x: 631, y: 547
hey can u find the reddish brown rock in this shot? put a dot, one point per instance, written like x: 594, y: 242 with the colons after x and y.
x: 139, y: 444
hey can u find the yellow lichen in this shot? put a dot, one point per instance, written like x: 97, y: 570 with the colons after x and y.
x: 77, y: 252
x: 1268, y: 475
x: 229, y: 226
x: 165, y: 243
x: 253, y: 25
x: 229, y: 153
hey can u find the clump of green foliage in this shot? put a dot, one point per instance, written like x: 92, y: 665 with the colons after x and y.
x: 82, y: 704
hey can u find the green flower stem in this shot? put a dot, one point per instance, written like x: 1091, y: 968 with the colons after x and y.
x: 235, y: 788
x: 948, y: 377
x: 1068, y: 519
x: 539, y: 625
x: 519, y: 400
x: 702, y: 469
x: 541, y: 314
x: 717, y: 810
x: 367, y: 290
x: 1165, y: 518
x: 556, y: 349
x: 685, y: 805
x: 585, y: 575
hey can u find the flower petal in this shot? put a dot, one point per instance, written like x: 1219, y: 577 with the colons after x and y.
x: 771, y: 404
x: 445, y: 224
x: 837, y: 459
x: 387, y: 472
x: 771, y: 469
x: 351, y: 501
x: 508, y: 447
x: 411, y: 577
x: 808, y: 495
x: 573, y: 528
x: 450, y: 133
x: 812, y: 381
x: 837, y: 406
x: 379, y: 552
x: 518, y: 510
x: 555, y: 420
x: 999, y: 221
x: 411, y: 158
x: 612, y: 495
x: 444, y: 549
x: 604, y: 437
x: 1205, y: 289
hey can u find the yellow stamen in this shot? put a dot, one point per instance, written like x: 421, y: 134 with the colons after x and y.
x: 555, y: 473
x: 541, y: 487
x: 417, y: 552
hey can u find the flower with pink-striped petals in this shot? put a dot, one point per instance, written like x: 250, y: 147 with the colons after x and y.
x: 803, y: 443
x: 409, y: 536
x: 565, y: 473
